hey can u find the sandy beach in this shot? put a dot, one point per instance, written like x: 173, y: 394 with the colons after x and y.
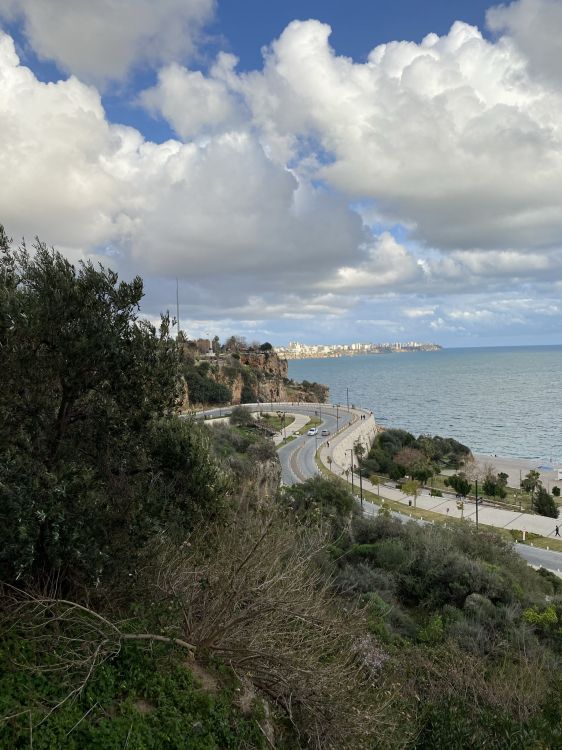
x: 517, y: 468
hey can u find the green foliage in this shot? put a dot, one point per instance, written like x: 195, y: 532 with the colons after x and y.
x: 459, y: 483
x: 318, y: 498
x: 556, y: 491
x: 140, y: 699
x: 86, y: 434
x: 544, y: 504
x: 545, y: 619
x: 494, y: 485
x: 203, y: 389
x: 531, y: 482
x: 397, y: 452
x: 241, y: 417
x: 435, y: 493
x: 433, y: 631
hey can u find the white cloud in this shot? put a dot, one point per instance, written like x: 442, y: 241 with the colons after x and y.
x: 536, y: 27
x: 103, y: 40
x: 451, y: 136
x: 192, y: 103
x: 218, y: 213
x: 389, y: 265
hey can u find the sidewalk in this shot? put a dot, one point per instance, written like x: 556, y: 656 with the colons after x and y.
x: 365, y: 431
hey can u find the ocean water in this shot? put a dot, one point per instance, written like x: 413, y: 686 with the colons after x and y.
x: 505, y: 401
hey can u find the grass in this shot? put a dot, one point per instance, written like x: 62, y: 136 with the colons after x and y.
x: 514, y: 500
x: 427, y: 515
x: 275, y: 422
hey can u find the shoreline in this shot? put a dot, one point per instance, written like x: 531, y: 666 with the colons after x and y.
x: 517, y: 468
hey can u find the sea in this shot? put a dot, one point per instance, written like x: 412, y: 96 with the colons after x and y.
x: 504, y: 401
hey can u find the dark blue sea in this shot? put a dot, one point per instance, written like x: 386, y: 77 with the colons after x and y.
x: 505, y: 400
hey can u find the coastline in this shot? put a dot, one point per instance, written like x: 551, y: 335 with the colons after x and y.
x: 517, y: 468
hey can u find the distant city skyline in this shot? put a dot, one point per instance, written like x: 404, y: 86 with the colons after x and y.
x: 308, y: 170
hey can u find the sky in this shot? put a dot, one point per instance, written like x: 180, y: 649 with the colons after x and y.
x: 317, y: 171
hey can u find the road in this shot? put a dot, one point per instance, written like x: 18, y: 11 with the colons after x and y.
x: 298, y: 463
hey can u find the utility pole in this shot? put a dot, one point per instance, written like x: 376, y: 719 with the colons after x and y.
x: 178, y: 303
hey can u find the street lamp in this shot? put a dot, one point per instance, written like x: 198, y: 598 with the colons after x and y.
x: 347, y: 397
x: 337, y: 417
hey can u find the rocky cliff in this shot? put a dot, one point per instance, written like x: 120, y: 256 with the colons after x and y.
x: 252, y: 376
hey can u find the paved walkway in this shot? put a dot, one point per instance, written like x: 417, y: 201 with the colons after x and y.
x: 365, y: 430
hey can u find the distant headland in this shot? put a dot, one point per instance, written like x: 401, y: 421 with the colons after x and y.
x: 294, y: 350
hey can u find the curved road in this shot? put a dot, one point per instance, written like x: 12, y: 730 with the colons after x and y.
x: 298, y: 462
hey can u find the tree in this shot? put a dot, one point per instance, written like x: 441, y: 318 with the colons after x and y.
x: 240, y: 416
x: 544, y: 504
x: 412, y: 489
x: 494, y: 485
x: 459, y: 483
x: 266, y: 347
x: 556, y: 491
x: 532, y: 482
x: 88, y: 389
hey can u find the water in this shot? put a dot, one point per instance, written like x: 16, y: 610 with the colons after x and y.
x: 505, y: 401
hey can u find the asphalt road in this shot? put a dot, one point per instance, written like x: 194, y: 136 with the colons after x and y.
x: 298, y: 464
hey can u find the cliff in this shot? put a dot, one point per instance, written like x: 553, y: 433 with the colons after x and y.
x: 247, y: 376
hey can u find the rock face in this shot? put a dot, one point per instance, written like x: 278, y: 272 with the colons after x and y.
x: 267, y: 362
x: 255, y: 376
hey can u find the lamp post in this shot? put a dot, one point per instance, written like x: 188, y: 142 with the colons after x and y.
x: 347, y: 397
x: 337, y: 417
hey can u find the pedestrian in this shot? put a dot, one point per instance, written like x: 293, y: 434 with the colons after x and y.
x: 447, y: 510
x: 328, y: 443
x: 556, y: 531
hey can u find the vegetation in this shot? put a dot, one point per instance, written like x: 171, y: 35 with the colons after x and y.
x: 543, y: 503
x: 459, y: 614
x: 160, y: 591
x: 397, y: 453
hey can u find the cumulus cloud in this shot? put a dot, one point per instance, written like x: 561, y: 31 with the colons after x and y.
x: 103, y: 40
x: 192, y: 103
x: 536, y: 28
x: 452, y: 136
x: 218, y: 213
x: 388, y: 265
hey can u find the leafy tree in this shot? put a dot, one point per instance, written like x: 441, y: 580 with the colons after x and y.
x: 242, y: 417
x: 544, y: 504
x: 556, y: 491
x: 266, y: 347
x: 531, y: 482
x: 459, y: 483
x: 412, y: 489
x: 494, y: 485
x: 86, y: 384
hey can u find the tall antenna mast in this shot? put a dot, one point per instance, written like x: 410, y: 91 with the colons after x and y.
x: 178, y: 303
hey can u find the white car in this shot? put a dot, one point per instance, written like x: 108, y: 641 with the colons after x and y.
x: 313, y: 431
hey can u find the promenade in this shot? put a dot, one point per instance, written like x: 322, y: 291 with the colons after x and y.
x: 364, y: 431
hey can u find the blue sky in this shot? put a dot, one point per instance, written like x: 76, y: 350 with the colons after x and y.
x: 318, y: 171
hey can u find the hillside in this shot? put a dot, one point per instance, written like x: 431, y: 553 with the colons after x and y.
x: 161, y: 590
x: 242, y: 375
